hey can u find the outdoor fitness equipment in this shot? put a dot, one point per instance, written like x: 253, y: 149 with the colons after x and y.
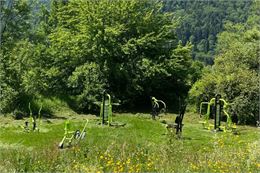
x: 34, y: 120
x: 106, y: 111
x: 70, y: 136
x: 219, y: 105
x: 178, y: 121
x: 156, y: 107
x: 206, y: 123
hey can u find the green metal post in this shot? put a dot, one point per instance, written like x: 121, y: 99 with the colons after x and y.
x: 106, y: 109
x: 103, y: 107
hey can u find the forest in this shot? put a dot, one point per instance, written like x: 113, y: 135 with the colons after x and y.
x: 65, y: 53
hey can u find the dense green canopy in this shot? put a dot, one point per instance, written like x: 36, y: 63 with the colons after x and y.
x: 79, y: 48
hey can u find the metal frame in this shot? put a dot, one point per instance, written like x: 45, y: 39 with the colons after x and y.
x: 219, y: 106
x: 106, y: 109
x: 34, y: 120
x: 70, y: 136
x: 156, y: 105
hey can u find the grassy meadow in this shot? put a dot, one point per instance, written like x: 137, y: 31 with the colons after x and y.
x: 142, y: 145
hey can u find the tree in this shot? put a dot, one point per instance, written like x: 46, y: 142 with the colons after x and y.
x: 131, y: 44
x: 235, y: 73
x: 77, y: 49
x: 14, y: 28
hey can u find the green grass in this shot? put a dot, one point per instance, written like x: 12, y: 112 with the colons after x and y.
x: 143, y: 145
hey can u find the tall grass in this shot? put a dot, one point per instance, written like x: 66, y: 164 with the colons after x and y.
x: 141, y: 146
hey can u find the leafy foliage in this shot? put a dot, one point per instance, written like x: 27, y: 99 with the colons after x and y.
x: 235, y: 74
x: 79, y: 48
x: 14, y: 31
x: 87, y: 84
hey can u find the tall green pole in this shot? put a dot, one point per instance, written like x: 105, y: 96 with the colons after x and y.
x: 103, y: 107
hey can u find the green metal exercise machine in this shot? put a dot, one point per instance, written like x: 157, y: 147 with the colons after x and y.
x: 219, y: 105
x: 206, y: 117
x: 179, y: 119
x: 71, y: 136
x: 156, y: 108
x: 106, y: 111
x: 178, y: 123
x: 34, y: 119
